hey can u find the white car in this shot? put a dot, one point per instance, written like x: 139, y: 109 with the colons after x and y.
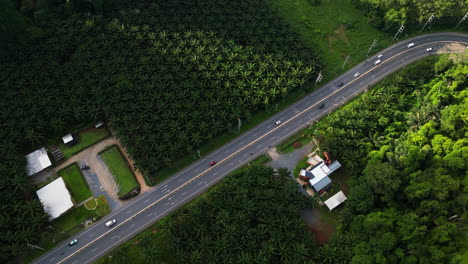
x: 111, y: 222
x: 410, y: 45
x: 356, y: 74
x: 278, y: 122
x: 429, y: 49
x: 377, y: 62
x: 380, y: 56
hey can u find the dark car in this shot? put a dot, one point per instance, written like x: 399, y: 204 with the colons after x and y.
x: 213, y: 162
x: 322, y: 106
x: 339, y: 84
x: 73, y: 242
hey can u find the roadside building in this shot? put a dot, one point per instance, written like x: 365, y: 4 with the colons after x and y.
x: 55, y: 198
x: 335, y: 200
x: 317, y: 175
x: 37, y: 161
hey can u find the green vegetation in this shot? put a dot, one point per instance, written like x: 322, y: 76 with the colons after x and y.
x: 292, y: 143
x: 253, y: 216
x: 301, y: 165
x: 119, y: 168
x: 75, y: 183
x: 332, y: 28
x: 66, y: 226
x: 171, y: 76
x: 389, y: 15
x: 407, y: 193
x: 261, y: 160
x: 88, y: 138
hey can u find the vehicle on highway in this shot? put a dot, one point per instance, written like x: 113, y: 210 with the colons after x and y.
x: 356, y: 74
x: 278, y: 122
x: 429, y: 49
x: 380, y: 56
x: 410, y: 45
x: 377, y: 62
x: 213, y: 162
x: 111, y: 222
x: 73, y: 242
x: 339, y: 84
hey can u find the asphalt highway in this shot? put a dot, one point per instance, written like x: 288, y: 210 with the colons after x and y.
x: 147, y: 208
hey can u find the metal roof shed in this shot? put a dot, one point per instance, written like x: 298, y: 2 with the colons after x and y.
x: 335, y: 200
x: 37, y: 161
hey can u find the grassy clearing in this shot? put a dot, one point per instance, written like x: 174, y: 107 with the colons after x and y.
x: 301, y: 165
x: 75, y: 183
x: 68, y: 225
x: 119, y: 169
x: 261, y: 160
x: 287, y: 146
x: 88, y: 137
x: 334, y: 29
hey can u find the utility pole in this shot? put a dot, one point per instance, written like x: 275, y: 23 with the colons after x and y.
x: 463, y: 19
x: 402, y: 27
x: 371, y: 47
x: 346, y: 60
x: 33, y: 246
x: 319, y: 78
x: 428, y: 21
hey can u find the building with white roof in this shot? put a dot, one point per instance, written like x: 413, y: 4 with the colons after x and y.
x: 55, y: 198
x: 70, y: 139
x: 37, y: 161
x: 335, y: 200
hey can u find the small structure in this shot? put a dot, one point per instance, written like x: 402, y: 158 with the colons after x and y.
x: 335, y: 200
x: 70, y: 139
x: 317, y: 174
x: 55, y: 198
x: 99, y: 124
x: 37, y: 161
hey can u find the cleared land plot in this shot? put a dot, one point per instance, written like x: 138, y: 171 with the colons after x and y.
x: 119, y: 169
x: 76, y: 183
x: 88, y: 137
x: 333, y: 28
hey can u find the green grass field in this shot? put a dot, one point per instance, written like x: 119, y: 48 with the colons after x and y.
x: 68, y: 225
x: 301, y: 165
x: 75, y: 183
x: 333, y: 30
x: 88, y: 137
x: 119, y: 168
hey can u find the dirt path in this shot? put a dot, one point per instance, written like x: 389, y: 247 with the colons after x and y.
x: 90, y: 157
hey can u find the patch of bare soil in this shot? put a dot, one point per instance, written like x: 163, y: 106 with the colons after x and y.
x: 320, y: 229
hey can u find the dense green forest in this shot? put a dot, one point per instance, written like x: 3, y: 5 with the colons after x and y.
x: 169, y: 76
x: 407, y: 192
x: 389, y: 15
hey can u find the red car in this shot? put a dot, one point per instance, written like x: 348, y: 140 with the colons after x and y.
x: 213, y: 162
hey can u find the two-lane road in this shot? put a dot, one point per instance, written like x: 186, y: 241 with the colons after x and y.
x: 189, y: 183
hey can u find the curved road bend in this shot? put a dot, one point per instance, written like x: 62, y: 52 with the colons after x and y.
x: 134, y: 217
